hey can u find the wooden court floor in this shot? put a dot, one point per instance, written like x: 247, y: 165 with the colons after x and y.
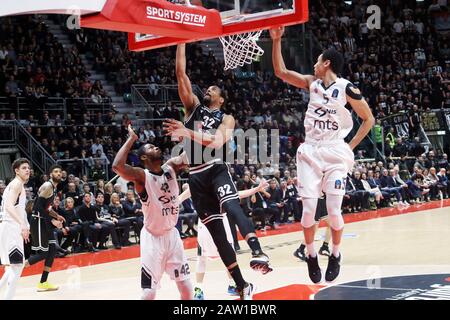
x: 388, y: 254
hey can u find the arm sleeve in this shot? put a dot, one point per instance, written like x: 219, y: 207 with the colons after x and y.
x: 349, y: 90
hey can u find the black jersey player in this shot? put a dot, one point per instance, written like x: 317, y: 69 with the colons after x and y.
x: 43, y: 220
x: 208, y: 131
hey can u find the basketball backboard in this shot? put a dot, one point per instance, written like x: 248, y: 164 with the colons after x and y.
x: 238, y: 16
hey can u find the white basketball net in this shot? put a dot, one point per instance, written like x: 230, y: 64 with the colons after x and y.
x: 240, y: 49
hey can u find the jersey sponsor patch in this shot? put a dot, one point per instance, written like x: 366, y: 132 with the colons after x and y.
x: 335, y: 93
x: 339, y: 184
x: 168, y: 176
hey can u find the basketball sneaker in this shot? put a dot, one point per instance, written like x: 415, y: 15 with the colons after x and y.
x: 300, y: 253
x: 248, y: 292
x: 198, y: 294
x: 232, y: 290
x: 260, y: 262
x: 45, y: 286
x: 324, y: 250
x: 334, y: 266
x: 315, y: 274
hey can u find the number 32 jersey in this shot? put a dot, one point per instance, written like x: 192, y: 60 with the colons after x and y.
x: 160, y: 204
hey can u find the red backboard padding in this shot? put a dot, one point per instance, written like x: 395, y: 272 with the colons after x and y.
x: 155, y: 17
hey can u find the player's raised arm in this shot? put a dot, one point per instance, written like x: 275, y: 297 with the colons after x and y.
x: 188, y: 98
x: 263, y: 185
x: 242, y: 194
x: 223, y: 133
x: 136, y: 175
x: 291, y: 77
x: 186, y: 194
x: 362, y: 109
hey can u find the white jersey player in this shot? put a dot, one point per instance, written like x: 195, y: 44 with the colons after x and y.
x: 161, y: 246
x: 324, y: 160
x: 14, y: 227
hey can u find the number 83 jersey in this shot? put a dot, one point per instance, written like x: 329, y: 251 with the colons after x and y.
x: 160, y: 201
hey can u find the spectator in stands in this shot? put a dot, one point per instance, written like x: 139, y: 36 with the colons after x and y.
x: 91, y: 226
x: 286, y: 209
x: 108, y: 223
x: 132, y: 208
x: 443, y: 181
x: 87, y: 189
x: 371, y: 186
x: 419, y: 188
x: 400, y: 149
x: 293, y: 200
x: 431, y: 160
x: 275, y: 203
x: 100, y: 186
x: 261, y: 213
x: 443, y: 162
x: 436, y: 188
x: 389, y: 184
x: 358, y: 192
x: 98, y: 171
x: 415, y: 120
x: 108, y: 192
x: 71, y: 228
x: 73, y: 193
x: 118, y: 190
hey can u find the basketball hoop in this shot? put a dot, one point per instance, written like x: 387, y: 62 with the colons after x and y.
x: 240, y: 49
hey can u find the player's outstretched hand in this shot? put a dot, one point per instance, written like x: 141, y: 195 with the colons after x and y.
x: 174, y: 128
x: 263, y: 185
x: 26, y: 234
x: 131, y: 134
x: 276, y: 33
x: 58, y: 224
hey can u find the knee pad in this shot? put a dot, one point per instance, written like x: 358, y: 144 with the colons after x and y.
x: 201, y: 264
x: 335, y: 219
x: 309, y: 212
x: 148, y: 294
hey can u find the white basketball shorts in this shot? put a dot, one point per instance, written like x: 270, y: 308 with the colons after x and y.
x: 11, y: 243
x: 323, y: 167
x: 161, y: 254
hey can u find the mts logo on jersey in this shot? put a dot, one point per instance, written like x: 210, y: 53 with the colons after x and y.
x: 325, y: 124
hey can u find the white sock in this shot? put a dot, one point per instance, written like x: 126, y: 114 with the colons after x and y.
x: 148, y: 294
x: 311, y: 251
x: 13, y: 278
x: 199, y: 285
x: 5, y: 277
x: 335, y: 250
